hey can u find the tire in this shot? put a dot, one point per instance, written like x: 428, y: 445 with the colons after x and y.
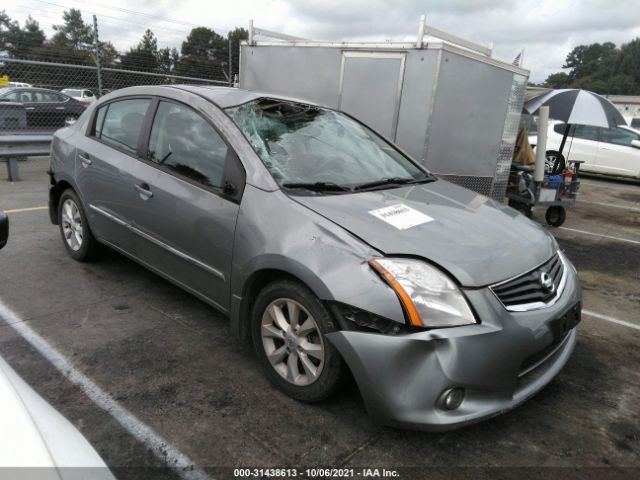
x: 554, y: 163
x: 74, y: 229
x: 555, y: 216
x: 288, y: 350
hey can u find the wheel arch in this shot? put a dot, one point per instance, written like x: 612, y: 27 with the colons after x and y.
x: 55, y: 192
x: 241, y: 305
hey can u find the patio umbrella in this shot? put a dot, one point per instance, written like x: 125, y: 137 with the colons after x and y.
x: 576, y: 107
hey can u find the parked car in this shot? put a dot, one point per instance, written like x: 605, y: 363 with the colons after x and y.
x: 635, y: 123
x: 45, y: 109
x: 81, y: 94
x: 20, y: 84
x: 326, y: 244
x: 611, y: 151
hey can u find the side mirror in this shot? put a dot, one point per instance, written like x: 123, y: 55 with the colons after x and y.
x: 4, y: 229
x: 635, y: 143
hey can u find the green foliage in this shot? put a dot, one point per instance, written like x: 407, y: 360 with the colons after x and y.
x: 143, y: 56
x: 601, y: 68
x: 203, y: 54
x: 74, y: 32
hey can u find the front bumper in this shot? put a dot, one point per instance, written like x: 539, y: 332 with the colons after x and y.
x: 500, y: 363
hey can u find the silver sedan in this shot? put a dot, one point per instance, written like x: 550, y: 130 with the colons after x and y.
x: 326, y: 245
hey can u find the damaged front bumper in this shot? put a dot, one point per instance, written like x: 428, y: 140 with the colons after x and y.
x: 497, y: 364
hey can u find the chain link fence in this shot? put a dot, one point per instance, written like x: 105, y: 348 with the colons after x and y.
x: 48, y: 89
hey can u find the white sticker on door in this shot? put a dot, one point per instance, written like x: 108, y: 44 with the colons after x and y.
x: 401, y: 216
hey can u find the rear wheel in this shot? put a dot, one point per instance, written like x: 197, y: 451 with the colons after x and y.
x: 289, y: 325
x: 76, y: 235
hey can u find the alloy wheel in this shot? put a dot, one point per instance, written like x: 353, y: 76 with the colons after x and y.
x: 292, y: 342
x: 72, y: 225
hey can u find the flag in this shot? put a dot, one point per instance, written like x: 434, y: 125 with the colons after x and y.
x: 518, y: 60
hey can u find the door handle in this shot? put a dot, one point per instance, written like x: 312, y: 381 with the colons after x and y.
x: 84, y: 158
x: 144, y: 191
x: 29, y: 108
x: 59, y: 108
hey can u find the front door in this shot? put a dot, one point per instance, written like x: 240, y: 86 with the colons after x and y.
x: 616, y: 155
x: 184, y: 221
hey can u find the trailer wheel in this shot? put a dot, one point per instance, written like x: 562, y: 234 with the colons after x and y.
x: 555, y: 216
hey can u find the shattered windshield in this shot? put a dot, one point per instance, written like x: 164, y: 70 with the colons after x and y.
x: 307, y: 145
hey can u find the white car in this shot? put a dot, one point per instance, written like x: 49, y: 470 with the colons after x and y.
x: 81, y: 94
x: 20, y: 85
x: 611, y: 151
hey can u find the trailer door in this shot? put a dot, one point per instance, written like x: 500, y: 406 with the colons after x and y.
x: 370, y: 88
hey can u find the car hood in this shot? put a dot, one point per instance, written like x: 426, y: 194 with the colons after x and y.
x: 477, y: 240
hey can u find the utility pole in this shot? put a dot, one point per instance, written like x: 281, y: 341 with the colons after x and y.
x: 230, y: 63
x: 96, y: 45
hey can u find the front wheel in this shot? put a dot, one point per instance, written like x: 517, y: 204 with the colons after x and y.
x: 289, y: 324
x: 76, y: 235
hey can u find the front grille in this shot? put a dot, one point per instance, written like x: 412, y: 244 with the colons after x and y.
x: 534, y: 289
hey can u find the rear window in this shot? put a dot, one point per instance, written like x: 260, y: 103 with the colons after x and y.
x: 73, y: 93
x: 119, y: 123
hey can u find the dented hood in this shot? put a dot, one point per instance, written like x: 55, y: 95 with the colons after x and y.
x: 477, y: 240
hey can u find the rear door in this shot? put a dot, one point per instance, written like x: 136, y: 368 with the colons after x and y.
x: 183, y: 216
x: 104, y: 158
x: 616, y: 155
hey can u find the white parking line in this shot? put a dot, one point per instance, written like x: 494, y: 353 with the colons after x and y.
x: 611, y: 319
x: 600, y: 235
x: 176, y: 460
x: 633, y: 209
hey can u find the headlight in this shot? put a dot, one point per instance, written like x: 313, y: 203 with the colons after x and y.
x: 429, y: 297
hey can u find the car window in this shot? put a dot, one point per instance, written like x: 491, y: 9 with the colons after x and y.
x: 73, y: 93
x: 13, y: 96
x: 122, y: 123
x: 100, y: 120
x: 184, y: 142
x: 619, y: 136
x: 88, y: 94
x: 586, y: 132
x: 305, y: 144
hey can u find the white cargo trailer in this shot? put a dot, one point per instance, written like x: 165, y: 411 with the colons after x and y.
x: 443, y: 99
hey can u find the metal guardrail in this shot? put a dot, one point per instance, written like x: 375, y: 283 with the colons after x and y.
x: 13, y: 147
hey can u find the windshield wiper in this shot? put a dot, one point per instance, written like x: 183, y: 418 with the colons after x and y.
x: 318, y: 186
x: 393, y: 181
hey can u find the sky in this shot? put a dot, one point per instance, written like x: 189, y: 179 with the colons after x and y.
x: 546, y: 29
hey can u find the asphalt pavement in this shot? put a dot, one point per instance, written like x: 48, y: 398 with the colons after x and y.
x: 195, y: 394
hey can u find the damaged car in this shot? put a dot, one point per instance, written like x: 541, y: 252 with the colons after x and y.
x: 325, y: 244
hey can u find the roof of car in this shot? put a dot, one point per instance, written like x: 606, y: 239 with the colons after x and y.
x: 225, y: 97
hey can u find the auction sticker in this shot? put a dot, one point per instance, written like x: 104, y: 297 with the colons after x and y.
x: 401, y: 216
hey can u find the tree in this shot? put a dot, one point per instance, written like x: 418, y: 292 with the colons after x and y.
x: 168, y: 59
x: 205, y: 54
x: 558, y: 80
x: 143, y: 56
x: 235, y: 36
x: 74, y: 32
x: 601, y: 68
